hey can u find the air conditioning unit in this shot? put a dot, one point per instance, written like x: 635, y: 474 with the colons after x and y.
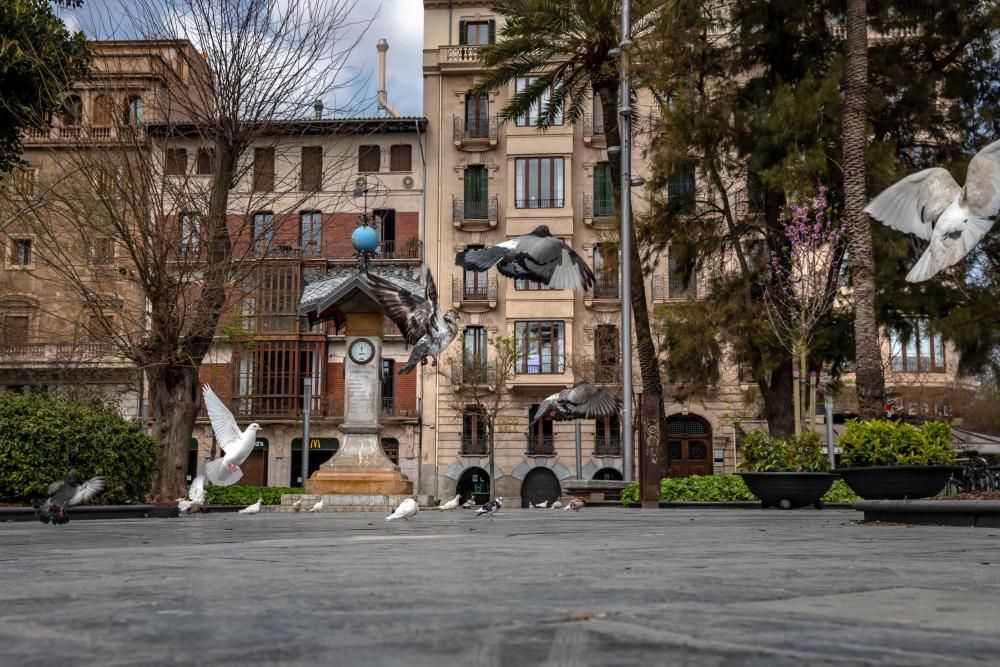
x: 407, y: 182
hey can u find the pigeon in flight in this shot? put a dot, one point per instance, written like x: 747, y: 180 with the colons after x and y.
x: 491, y: 508
x: 419, y: 319
x: 537, y: 256
x: 469, y: 504
x: 576, y: 505
x: 236, y: 445
x: 930, y: 205
x: 317, y: 507
x: 195, y: 497
x: 297, y: 505
x: 252, y: 509
x: 581, y: 401
x: 64, y: 494
x: 451, y: 504
x: 406, y: 510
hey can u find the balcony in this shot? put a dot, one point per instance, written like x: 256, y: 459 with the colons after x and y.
x: 604, y: 295
x: 393, y: 409
x: 667, y: 289
x: 593, y: 132
x: 608, y: 446
x: 82, y: 133
x: 541, y: 445
x: 81, y: 354
x: 282, y: 406
x: 473, y: 374
x: 408, y: 250
x: 474, y: 214
x: 540, y: 202
x: 479, y: 134
x: 598, y: 372
x: 458, y: 57
x: 599, y: 213
x: 475, y: 446
x: 474, y: 298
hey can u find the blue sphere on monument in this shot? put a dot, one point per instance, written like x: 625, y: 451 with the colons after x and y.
x: 365, y: 239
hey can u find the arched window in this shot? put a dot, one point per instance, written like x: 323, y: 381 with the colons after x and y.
x: 103, y: 111
x: 474, y: 483
x: 133, y: 111
x: 71, y: 113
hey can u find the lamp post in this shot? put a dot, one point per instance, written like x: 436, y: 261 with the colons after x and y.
x: 307, y: 384
x: 625, y: 132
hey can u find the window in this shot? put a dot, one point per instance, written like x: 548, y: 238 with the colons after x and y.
x: 680, y: 185
x: 263, y: 169
x: 15, y: 329
x: 401, y: 157
x: 474, y: 359
x: 917, y: 351
x: 476, y: 192
x: 391, y: 448
x: 606, y: 353
x: 369, y: 158
x: 269, y: 304
x: 95, y: 327
x: 310, y: 231
x: 477, y: 115
x: 103, y: 111
x: 526, y: 285
x: 101, y: 251
x: 263, y: 232
x: 72, y: 111
x: 604, y: 199
x: 21, y: 254
x: 598, y: 111
x: 388, y: 374
x: 312, y: 169
x: 540, y: 439
x: 474, y: 436
x: 190, y: 232
x: 268, y: 381
x: 19, y: 182
x: 385, y: 225
x: 538, y: 182
x: 175, y: 162
x: 538, y: 108
x: 476, y: 33
x: 683, y: 280
x: 133, y: 111
x: 755, y: 192
x: 206, y: 161
x: 609, y: 440
x: 541, y: 347
x: 474, y: 282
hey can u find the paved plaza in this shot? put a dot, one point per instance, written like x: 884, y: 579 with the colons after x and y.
x: 530, y: 587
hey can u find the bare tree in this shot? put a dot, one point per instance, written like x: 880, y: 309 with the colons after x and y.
x: 161, y: 210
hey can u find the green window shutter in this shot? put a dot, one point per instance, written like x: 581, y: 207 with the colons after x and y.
x: 493, y: 31
x: 461, y: 33
x: 470, y: 185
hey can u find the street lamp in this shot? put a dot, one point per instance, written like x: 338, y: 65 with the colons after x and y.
x: 625, y: 131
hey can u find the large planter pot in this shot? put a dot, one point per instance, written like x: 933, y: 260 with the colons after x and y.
x: 788, y: 490
x: 896, y: 482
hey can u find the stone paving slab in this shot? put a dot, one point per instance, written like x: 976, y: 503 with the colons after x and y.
x: 600, y: 587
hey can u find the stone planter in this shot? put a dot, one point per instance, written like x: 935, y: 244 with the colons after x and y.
x: 896, y: 482
x: 788, y: 490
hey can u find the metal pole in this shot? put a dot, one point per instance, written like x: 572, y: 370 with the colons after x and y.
x: 828, y: 408
x: 625, y: 132
x: 307, y: 385
x: 579, y: 452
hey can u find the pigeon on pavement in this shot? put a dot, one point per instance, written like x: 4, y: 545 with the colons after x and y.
x: 195, y: 497
x: 297, y: 505
x: 317, y: 507
x: 930, y: 205
x: 537, y: 256
x: 491, y: 508
x: 451, y: 504
x: 543, y: 504
x: 252, y: 509
x: 406, y: 510
x: 556, y: 505
x: 419, y: 319
x: 576, y: 505
x: 469, y: 504
x: 581, y: 401
x: 64, y: 494
x: 235, y: 444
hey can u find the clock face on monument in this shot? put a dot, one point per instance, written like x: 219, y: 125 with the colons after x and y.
x: 361, y: 351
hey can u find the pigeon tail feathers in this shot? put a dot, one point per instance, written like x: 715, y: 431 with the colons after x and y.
x: 218, y: 473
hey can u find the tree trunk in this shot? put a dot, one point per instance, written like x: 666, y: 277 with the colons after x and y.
x: 777, y: 397
x: 176, y: 400
x: 869, y: 379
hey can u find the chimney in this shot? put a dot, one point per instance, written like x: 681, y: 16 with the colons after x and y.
x: 318, y: 108
x: 383, y: 103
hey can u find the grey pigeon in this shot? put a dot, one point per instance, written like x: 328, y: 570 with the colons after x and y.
x: 537, y: 256
x: 581, y: 401
x: 419, y: 319
x: 64, y: 494
x: 930, y: 205
x: 491, y: 508
x: 469, y: 504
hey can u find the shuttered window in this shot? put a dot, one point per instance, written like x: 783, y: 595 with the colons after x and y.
x: 263, y: 169
x: 368, y: 158
x: 400, y: 158
x: 175, y: 162
x: 206, y: 161
x: 312, y: 169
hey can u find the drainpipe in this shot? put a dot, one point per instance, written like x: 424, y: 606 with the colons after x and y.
x: 383, y: 103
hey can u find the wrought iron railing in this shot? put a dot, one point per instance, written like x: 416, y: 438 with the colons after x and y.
x: 608, y: 446
x: 479, y: 128
x: 541, y: 445
x: 473, y: 373
x: 400, y: 409
x: 411, y: 248
x: 474, y: 209
x: 598, y: 207
x: 606, y: 288
x: 541, y: 365
x: 540, y: 202
x: 475, y: 446
x: 484, y: 290
x: 593, y: 127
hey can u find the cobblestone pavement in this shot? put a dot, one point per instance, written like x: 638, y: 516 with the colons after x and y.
x: 529, y: 587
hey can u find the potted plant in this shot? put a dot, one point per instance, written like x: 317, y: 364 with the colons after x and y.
x: 786, y: 473
x: 893, y: 460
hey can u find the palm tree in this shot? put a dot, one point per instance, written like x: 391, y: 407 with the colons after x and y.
x: 870, y: 381
x: 566, y: 44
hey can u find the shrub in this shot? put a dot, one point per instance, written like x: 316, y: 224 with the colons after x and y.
x: 238, y: 494
x: 886, y: 443
x: 42, y: 438
x: 719, y: 488
x: 801, y: 453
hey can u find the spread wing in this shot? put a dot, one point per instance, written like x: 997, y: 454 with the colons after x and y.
x: 589, y: 402
x: 981, y: 194
x: 53, y: 487
x: 550, y: 259
x: 87, y: 490
x: 223, y: 422
x: 408, y: 311
x: 197, y: 491
x: 431, y: 288
x: 913, y: 204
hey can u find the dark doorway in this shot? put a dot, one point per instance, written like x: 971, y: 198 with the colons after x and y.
x: 192, y: 462
x: 255, y: 467
x: 539, y: 485
x: 689, y: 446
x: 474, y: 483
x: 321, y: 450
x: 611, y: 474
x: 391, y: 448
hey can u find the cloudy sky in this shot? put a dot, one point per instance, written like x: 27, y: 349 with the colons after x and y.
x: 400, y: 22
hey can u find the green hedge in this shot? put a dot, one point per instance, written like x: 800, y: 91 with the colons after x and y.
x: 42, y: 438
x: 885, y: 443
x: 238, y: 494
x: 796, y: 453
x: 719, y: 488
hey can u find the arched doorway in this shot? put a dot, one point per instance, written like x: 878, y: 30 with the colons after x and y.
x: 539, y: 485
x: 474, y: 483
x: 689, y: 446
x: 612, y: 474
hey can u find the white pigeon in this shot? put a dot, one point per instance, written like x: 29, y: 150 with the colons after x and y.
x: 491, y: 508
x: 469, y: 504
x: 297, y: 505
x: 576, y: 505
x: 195, y: 497
x: 930, y: 205
x: 556, y: 505
x: 252, y: 509
x: 318, y: 506
x: 406, y: 510
x: 236, y: 445
x: 537, y: 256
x: 543, y: 504
x: 451, y: 504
